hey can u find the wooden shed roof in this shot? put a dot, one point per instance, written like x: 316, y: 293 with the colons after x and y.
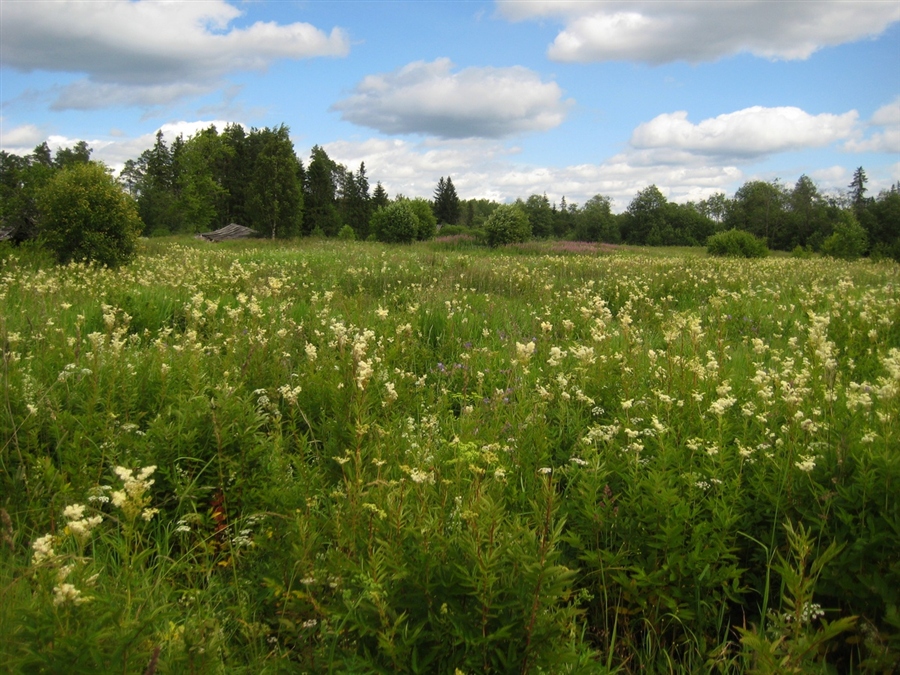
x: 233, y: 231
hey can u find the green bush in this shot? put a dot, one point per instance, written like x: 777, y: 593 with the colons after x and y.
x: 347, y: 233
x: 736, y: 244
x: 427, y: 222
x: 508, y: 224
x: 85, y: 216
x: 395, y: 223
x: 849, y: 240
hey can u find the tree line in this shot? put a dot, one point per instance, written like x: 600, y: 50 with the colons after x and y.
x: 255, y: 178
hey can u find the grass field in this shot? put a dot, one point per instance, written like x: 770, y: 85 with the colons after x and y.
x: 349, y: 457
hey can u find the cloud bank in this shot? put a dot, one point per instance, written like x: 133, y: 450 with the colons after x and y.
x: 144, y: 53
x: 693, y: 30
x: 431, y: 99
x: 749, y: 133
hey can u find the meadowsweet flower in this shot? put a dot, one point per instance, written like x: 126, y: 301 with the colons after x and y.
x: 364, y: 371
x: 65, y: 592
x: 133, y: 497
x: 524, y: 352
x: 807, y: 463
x: 43, y: 549
x: 545, y: 470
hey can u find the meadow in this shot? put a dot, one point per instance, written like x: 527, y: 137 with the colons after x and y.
x: 321, y: 456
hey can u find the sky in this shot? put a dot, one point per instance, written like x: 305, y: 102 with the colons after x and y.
x: 568, y: 98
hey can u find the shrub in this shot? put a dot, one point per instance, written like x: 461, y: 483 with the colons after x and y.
x: 849, y: 240
x: 736, y: 244
x: 347, y: 233
x: 395, y: 223
x: 508, y: 224
x: 86, y: 216
x: 427, y: 222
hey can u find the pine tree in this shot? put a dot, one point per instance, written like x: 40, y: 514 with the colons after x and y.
x: 446, y: 202
x: 858, y: 190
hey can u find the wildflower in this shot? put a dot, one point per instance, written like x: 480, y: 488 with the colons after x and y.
x: 391, y: 391
x: 807, y: 463
x: 43, y: 549
x: 524, y: 352
x: 311, y: 351
x: 67, y: 593
x: 381, y: 313
x: 545, y: 470
x: 132, y: 499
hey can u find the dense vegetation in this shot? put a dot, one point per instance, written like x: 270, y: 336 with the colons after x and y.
x: 323, y: 456
x: 254, y: 178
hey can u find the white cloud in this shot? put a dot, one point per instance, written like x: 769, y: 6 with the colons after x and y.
x: 156, y: 51
x: 428, y: 98
x: 22, y: 136
x: 696, y: 30
x: 887, y: 118
x: 751, y: 132
x: 489, y: 170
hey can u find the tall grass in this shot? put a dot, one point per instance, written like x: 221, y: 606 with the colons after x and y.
x: 438, y: 458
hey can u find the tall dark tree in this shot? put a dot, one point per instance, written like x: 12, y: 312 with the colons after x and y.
x: 644, y: 219
x: 275, y: 195
x: 808, y: 222
x: 235, y: 173
x: 80, y: 153
x: 356, y: 202
x: 758, y: 207
x: 446, y: 202
x: 858, y: 190
x: 540, y: 215
x: 380, y: 197
x: 157, y: 198
x: 595, y: 222
x: 321, y: 212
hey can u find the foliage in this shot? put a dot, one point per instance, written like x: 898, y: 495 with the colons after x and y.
x: 275, y: 203
x: 540, y: 215
x: 559, y: 457
x: 396, y: 223
x: 427, y: 223
x: 736, y: 244
x: 849, y: 240
x: 86, y: 217
x: 507, y: 224
x: 347, y: 233
x: 595, y: 222
x: 446, y: 202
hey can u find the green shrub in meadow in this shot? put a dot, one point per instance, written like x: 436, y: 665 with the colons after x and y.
x: 86, y: 216
x: 736, y: 244
x: 327, y: 456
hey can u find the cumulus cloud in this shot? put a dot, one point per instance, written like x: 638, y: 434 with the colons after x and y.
x: 747, y: 133
x: 133, y: 52
x: 487, y: 169
x: 22, y: 136
x: 431, y: 99
x: 887, y: 137
x: 695, y: 30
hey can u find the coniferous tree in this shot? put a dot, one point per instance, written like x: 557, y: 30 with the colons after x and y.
x: 446, y: 202
x: 858, y: 190
x: 380, y: 197
x: 321, y: 211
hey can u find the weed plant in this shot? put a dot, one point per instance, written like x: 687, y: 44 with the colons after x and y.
x: 353, y: 458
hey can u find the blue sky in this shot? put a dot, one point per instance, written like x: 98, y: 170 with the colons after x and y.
x: 568, y: 98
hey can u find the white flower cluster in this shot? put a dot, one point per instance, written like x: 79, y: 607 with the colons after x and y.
x: 78, y: 525
x: 133, y: 498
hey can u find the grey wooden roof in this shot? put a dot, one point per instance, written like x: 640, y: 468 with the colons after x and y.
x: 233, y: 231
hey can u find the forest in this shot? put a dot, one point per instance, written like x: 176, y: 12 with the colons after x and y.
x: 255, y: 178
